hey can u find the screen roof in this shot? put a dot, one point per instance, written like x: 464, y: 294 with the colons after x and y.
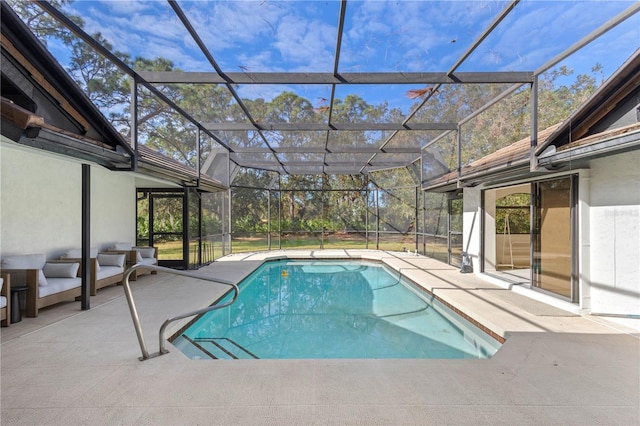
x: 338, y: 87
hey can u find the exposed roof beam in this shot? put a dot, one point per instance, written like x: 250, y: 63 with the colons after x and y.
x: 341, y: 17
x: 24, y: 47
x: 336, y: 65
x: 288, y: 78
x: 333, y: 150
x: 356, y: 165
x: 228, y: 126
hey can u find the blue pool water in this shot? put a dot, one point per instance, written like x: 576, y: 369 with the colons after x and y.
x: 332, y: 309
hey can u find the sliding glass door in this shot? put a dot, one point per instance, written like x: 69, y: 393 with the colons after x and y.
x: 530, y: 235
x: 554, y: 236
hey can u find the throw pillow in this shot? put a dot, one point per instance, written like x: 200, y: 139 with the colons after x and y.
x: 61, y: 270
x: 146, y: 252
x: 122, y: 246
x: 111, y: 260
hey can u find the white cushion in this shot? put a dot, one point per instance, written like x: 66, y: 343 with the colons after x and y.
x: 57, y: 285
x: 3, y: 301
x: 148, y: 261
x: 1, y: 283
x: 27, y: 261
x: 146, y: 252
x: 122, y: 246
x: 109, y: 271
x: 111, y: 259
x: 61, y: 270
x: 138, y: 257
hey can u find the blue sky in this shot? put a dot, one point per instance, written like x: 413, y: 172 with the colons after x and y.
x: 389, y: 36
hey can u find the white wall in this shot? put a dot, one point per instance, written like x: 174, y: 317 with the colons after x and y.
x: 41, y: 201
x: 584, y: 242
x: 614, y: 228
x: 513, y: 249
x: 113, y: 207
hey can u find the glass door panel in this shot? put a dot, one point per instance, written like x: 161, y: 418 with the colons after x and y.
x: 455, y: 232
x: 553, y: 237
x: 167, y: 226
x: 506, y: 233
x: 142, y: 220
x: 512, y: 226
x: 213, y: 226
x: 195, y: 218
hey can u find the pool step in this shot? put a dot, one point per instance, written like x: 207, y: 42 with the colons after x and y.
x: 222, y: 348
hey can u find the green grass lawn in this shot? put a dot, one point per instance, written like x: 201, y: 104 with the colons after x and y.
x: 172, y: 250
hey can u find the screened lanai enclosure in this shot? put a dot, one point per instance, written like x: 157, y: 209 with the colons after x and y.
x: 327, y: 124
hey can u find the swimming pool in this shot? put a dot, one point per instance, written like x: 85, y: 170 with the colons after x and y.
x: 293, y: 309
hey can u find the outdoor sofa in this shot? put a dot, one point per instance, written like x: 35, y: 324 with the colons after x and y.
x: 105, y: 268
x: 49, y: 281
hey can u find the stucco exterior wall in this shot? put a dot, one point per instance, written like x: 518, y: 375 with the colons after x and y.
x: 41, y: 201
x: 614, y: 228
x: 113, y: 207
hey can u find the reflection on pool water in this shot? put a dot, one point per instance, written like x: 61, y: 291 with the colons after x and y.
x: 332, y: 309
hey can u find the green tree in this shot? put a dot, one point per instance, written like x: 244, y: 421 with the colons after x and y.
x: 103, y: 82
x: 43, y: 25
x: 515, y: 207
x: 171, y: 134
x: 249, y: 202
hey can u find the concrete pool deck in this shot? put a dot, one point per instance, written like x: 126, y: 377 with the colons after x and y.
x: 71, y: 367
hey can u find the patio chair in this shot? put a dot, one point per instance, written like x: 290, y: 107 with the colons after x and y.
x: 137, y: 255
x: 105, y: 268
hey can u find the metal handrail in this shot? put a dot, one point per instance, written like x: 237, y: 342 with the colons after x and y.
x: 136, y: 318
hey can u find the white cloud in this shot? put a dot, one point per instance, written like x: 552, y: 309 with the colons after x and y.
x: 147, y: 29
x: 124, y: 7
x: 252, y: 62
x: 409, y: 35
x: 535, y: 32
x: 307, y: 44
x: 268, y: 35
x: 266, y: 92
x: 265, y: 35
x: 224, y: 25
